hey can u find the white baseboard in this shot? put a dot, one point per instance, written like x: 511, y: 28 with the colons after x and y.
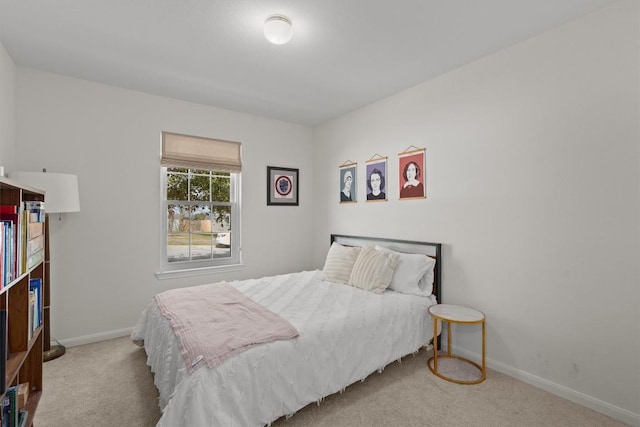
x: 557, y: 389
x: 103, y: 336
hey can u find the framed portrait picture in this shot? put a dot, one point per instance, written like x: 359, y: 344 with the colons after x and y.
x: 412, y: 174
x: 376, y: 179
x: 282, y: 186
x: 348, y: 185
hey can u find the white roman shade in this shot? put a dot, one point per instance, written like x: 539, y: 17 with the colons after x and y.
x: 196, y: 152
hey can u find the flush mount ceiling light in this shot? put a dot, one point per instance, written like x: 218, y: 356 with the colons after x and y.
x: 277, y: 29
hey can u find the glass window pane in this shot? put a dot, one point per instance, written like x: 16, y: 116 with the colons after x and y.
x: 201, y: 218
x: 178, y: 235
x: 201, y: 243
x: 178, y: 248
x: 182, y: 170
x: 200, y: 187
x: 221, y: 218
x: 177, y: 186
x: 221, y: 225
x: 200, y: 172
x: 222, y: 245
x: 221, y: 188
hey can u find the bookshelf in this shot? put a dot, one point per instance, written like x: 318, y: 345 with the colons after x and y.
x: 21, y: 335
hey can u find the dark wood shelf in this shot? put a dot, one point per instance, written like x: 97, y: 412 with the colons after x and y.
x: 32, y: 405
x: 24, y: 361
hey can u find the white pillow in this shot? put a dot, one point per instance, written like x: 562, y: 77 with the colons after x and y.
x: 373, y: 270
x: 339, y: 262
x: 426, y: 283
x: 413, y: 275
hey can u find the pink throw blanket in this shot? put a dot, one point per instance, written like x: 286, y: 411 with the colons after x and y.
x: 215, y: 322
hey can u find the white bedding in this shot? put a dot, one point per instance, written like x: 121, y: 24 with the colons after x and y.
x: 345, y: 335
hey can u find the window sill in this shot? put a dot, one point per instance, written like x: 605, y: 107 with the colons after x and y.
x: 190, y: 272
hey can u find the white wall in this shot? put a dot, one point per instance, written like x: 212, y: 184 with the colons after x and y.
x: 532, y: 180
x: 105, y: 256
x: 532, y: 185
x: 7, y: 108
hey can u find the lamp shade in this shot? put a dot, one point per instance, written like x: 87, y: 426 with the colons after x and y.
x: 61, y: 189
x: 277, y: 29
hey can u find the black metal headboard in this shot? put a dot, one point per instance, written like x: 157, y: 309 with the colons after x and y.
x: 433, y: 250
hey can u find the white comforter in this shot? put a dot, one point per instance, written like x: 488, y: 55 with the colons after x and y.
x: 345, y: 335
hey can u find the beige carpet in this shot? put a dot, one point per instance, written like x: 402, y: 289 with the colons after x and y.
x: 109, y: 384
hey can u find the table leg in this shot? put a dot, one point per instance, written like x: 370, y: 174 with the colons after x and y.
x: 484, y: 371
x: 449, y: 339
x: 435, y: 344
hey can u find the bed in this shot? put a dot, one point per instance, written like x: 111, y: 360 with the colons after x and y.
x: 345, y: 332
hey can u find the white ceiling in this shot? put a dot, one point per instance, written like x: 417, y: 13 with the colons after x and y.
x: 344, y: 54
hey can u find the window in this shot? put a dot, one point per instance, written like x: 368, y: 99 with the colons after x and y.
x: 201, y: 203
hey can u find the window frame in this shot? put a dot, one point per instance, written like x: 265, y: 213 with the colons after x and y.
x: 199, y: 267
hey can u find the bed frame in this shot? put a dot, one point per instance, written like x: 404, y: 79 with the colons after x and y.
x: 433, y: 250
x: 177, y: 387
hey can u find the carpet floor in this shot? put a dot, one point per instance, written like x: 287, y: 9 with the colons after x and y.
x: 109, y: 384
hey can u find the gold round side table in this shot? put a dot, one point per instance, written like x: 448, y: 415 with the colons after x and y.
x: 456, y: 314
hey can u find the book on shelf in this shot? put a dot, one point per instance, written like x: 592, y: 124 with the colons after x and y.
x: 23, y: 395
x: 35, y: 229
x: 4, y: 352
x: 11, y: 209
x: 35, y: 258
x: 10, y: 412
x: 2, y: 251
x: 34, y: 252
x: 35, y: 209
x: 35, y: 244
x: 6, y: 410
x: 23, y: 415
x: 8, y: 250
x: 35, y: 286
x: 14, y: 254
x: 32, y: 302
x: 15, y: 220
